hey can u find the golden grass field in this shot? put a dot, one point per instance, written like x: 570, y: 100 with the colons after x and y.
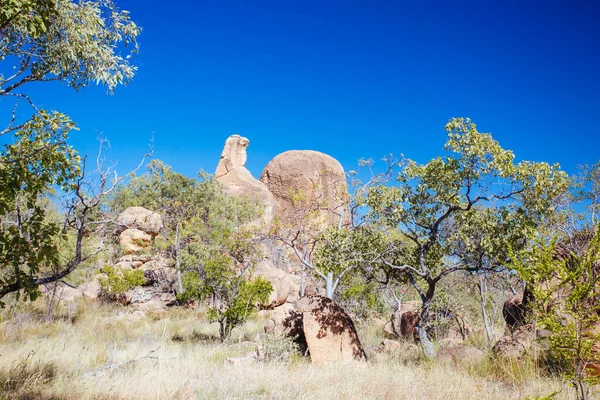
x: 93, y: 351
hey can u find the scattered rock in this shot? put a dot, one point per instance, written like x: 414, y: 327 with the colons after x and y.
x: 389, y: 346
x: 286, y: 321
x: 396, y: 329
x: 249, y: 359
x: 460, y: 354
x: 91, y: 290
x: 142, y: 219
x: 129, y: 264
x: 522, y: 341
x: 329, y: 331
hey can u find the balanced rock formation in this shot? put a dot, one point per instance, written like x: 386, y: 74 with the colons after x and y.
x: 141, y: 219
x: 134, y: 240
x: 330, y: 333
x: 305, y: 178
x: 235, y: 178
x: 140, y: 226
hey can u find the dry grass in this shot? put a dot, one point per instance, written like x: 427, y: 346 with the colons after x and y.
x: 101, y: 352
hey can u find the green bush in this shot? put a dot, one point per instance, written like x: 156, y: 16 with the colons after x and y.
x: 278, y: 349
x: 117, y: 281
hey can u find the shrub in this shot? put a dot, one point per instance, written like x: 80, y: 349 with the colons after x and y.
x: 117, y: 281
x: 278, y: 349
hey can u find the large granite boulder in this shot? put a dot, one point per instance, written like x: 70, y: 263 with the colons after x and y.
x: 303, y: 179
x: 330, y: 333
x: 235, y: 178
x: 141, y: 219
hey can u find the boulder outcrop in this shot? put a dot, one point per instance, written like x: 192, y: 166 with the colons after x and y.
x: 330, y: 333
x: 403, y: 324
x: 141, y: 219
x: 305, y: 178
x: 235, y: 178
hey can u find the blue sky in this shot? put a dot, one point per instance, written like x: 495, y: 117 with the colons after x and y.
x: 350, y: 78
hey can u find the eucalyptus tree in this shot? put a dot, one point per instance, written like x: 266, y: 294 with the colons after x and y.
x: 76, y: 43
x: 435, y: 203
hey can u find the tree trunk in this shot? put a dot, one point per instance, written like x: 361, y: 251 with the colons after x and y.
x: 426, y: 344
x: 50, y: 305
x: 483, y: 302
x: 329, y: 285
x: 222, y: 323
x: 423, y: 325
x: 177, y: 262
x: 303, y: 281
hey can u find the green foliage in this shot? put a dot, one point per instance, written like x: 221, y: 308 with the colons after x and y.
x: 38, y: 162
x: 219, y: 271
x: 361, y: 298
x: 50, y: 40
x: 586, y: 189
x: 204, y: 233
x: 74, y: 42
x: 116, y: 281
x: 567, y: 304
x: 459, y: 210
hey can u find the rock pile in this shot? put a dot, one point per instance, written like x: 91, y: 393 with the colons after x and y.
x: 140, y: 226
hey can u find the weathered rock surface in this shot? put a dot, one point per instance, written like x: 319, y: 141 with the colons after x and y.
x: 395, y: 329
x: 284, y: 321
x: 159, y: 289
x: 521, y: 342
x: 68, y: 294
x: 307, y: 177
x: 134, y: 240
x: 403, y: 324
x: 286, y: 287
x: 330, y: 333
x: 235, y: 178
x: 514, y: 310
x: 142, y: 219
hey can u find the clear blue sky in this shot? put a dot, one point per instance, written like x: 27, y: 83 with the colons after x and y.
x: 350, y: 78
